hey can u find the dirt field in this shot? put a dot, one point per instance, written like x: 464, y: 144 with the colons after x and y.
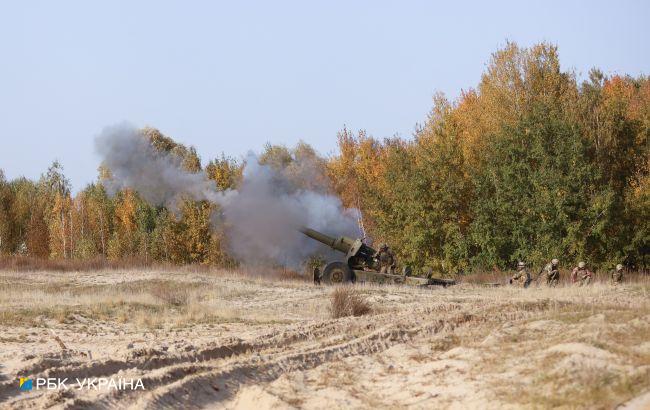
x: 218, y: 340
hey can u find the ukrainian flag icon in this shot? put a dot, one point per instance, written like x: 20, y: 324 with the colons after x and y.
x: 25, y: 384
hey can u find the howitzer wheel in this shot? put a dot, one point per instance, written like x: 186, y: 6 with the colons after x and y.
x: 337, y: 272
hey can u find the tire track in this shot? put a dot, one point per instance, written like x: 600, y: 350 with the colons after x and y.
x: 152, y: 359
x: 216, y: 373
x: 222, y: 380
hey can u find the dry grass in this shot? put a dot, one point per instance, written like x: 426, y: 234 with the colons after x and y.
x: 171, y: 294
x: 347, y: 301
x: 14, y: 263
x: 30, y: 264
x: 278, y: 273
x: 506, y: 339
x: 43, y: 300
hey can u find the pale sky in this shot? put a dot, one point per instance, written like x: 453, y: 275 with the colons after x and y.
x: 230, y: 76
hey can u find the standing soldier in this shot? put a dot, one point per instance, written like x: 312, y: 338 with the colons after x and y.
x: 617, y: 275
x: 521, y: 278
x: 551, y: 273
x: 386, y: 259
x: 581, y: 274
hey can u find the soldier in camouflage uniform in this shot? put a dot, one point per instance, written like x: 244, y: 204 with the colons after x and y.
x: 386, y: 259
x: 581, y: 275
x: 521, y: 278
x: 551, y: 273
x: 617, y: 275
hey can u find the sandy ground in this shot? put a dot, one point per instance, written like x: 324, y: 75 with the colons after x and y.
x: 217, y: 340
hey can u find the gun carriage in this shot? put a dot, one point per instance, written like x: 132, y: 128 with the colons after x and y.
x: 359, y: 264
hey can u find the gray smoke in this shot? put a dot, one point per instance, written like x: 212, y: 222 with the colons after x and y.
x: 158, y: 177
x: 261, y: 219
x: 264, y: 216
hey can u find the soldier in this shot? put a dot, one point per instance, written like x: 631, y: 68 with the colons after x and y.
x: 617, y: 275
x: 386, y: 259
x: 521, y: 278
x: 581, y: 274
x: 551, y: 273
x: 317, y: 274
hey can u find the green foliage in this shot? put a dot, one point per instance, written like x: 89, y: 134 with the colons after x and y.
x: 529, y: 165
x: 535, y: 195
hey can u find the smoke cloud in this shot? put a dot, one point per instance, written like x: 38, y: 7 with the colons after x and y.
x: 158, y: 177
x: 261, y: 218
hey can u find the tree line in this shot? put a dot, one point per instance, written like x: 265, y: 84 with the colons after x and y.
x: 529, y: 165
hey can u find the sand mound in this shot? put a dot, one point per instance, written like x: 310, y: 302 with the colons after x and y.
x: 581, y: 349
x: 460, y: 353
x: 254, y: 397
x: 641, y: 402
x: 544, y: 325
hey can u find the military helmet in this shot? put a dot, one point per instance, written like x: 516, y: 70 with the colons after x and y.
x: 581, y: 265
x: 619, y: 267
x: 383, y: 246
x: 521, y: 264
x: 555, y: 261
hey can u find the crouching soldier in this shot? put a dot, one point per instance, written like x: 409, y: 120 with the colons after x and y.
x: 386, y: 259
x: 521, y: 278
x: 551, y: 273
x: 581, y: 274
x: 617, y: 275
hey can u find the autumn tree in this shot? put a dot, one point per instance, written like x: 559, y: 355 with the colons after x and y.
x: 226, y: 172
x: 6, y: 220
x: 125, y: 240
x: 29, y: 211
x: 526, y: 165
x: 99, y: 214
x: 56, y: 188
x: 529, y: 165
x: 356, y: 173
x: 198, y: 231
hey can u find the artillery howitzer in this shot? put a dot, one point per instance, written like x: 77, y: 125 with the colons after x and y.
x: 360, y: 264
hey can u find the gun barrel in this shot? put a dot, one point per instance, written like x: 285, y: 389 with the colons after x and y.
x: 341, y: 244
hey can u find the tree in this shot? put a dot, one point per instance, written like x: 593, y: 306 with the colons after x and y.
x: 445, y: 189
x: 196, y: 216
x: 56, y: 187
x: 188, y: 157
x: 526, y: 165
x: 226, y: 172
x: 6, y: 219
x: 536, y: 195
x: 125, y: 240
x: 99, y: 216
x: 277, y: 157
x: 356, y: 174
x: 30, y: 232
